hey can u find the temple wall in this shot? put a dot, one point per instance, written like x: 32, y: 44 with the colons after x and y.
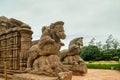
x: 15, y: 39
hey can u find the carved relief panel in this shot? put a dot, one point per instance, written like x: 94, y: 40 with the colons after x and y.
x: 12, y: 40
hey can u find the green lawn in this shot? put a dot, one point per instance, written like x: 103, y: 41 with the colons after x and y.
x: 103, y: 64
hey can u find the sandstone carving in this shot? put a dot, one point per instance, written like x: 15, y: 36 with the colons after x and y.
x: 49, y: 42
x: 40, y: 56
x: 15, y: 39
x: 65, y: 76
x: 48, y: 65
x: 71, y: 59
x: 43, y: 58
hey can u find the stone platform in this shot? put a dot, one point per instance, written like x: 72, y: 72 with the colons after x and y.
x: 28, y: 76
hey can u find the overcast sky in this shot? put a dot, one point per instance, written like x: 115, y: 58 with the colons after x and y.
x: 86, y: 18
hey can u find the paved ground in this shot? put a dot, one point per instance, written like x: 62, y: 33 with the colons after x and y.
x: 98, y: 74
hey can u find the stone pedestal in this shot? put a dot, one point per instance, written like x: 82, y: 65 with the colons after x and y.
x: 27, y: 76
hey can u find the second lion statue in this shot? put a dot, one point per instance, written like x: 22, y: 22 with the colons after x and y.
x: 70, y: 57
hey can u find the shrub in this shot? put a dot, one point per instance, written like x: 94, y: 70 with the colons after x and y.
x: 116, y: 58
x: 102, y: 65
x: 89, y: 52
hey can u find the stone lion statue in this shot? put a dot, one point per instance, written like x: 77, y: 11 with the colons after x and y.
x: 73, y: 49
x: 50, y: 38
x: 71, y: 58
x: 48, y: 44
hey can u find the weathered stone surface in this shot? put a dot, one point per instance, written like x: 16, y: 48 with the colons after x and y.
x: 71, y: 59
x: 50, y: 48
x: 79, y: 69
x: 73, y: 49
x: 48, y: 65
x: 65, y: 76
x: 49, y: 42
x: 27, y: 76
x: 43, y: 58
x: 15, y: 39
x: 34, y: 42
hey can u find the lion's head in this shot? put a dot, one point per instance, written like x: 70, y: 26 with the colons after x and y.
x: 79, y: 41
x: 75, y: 44
x: 58, y: 30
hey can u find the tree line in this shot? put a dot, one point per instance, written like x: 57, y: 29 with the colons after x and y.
x: 96, y: 51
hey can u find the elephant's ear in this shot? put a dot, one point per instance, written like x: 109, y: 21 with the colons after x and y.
x: 43, y: 28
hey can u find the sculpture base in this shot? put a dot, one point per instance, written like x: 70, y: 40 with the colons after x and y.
x: 79, y: 69
x: 28, y: 76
